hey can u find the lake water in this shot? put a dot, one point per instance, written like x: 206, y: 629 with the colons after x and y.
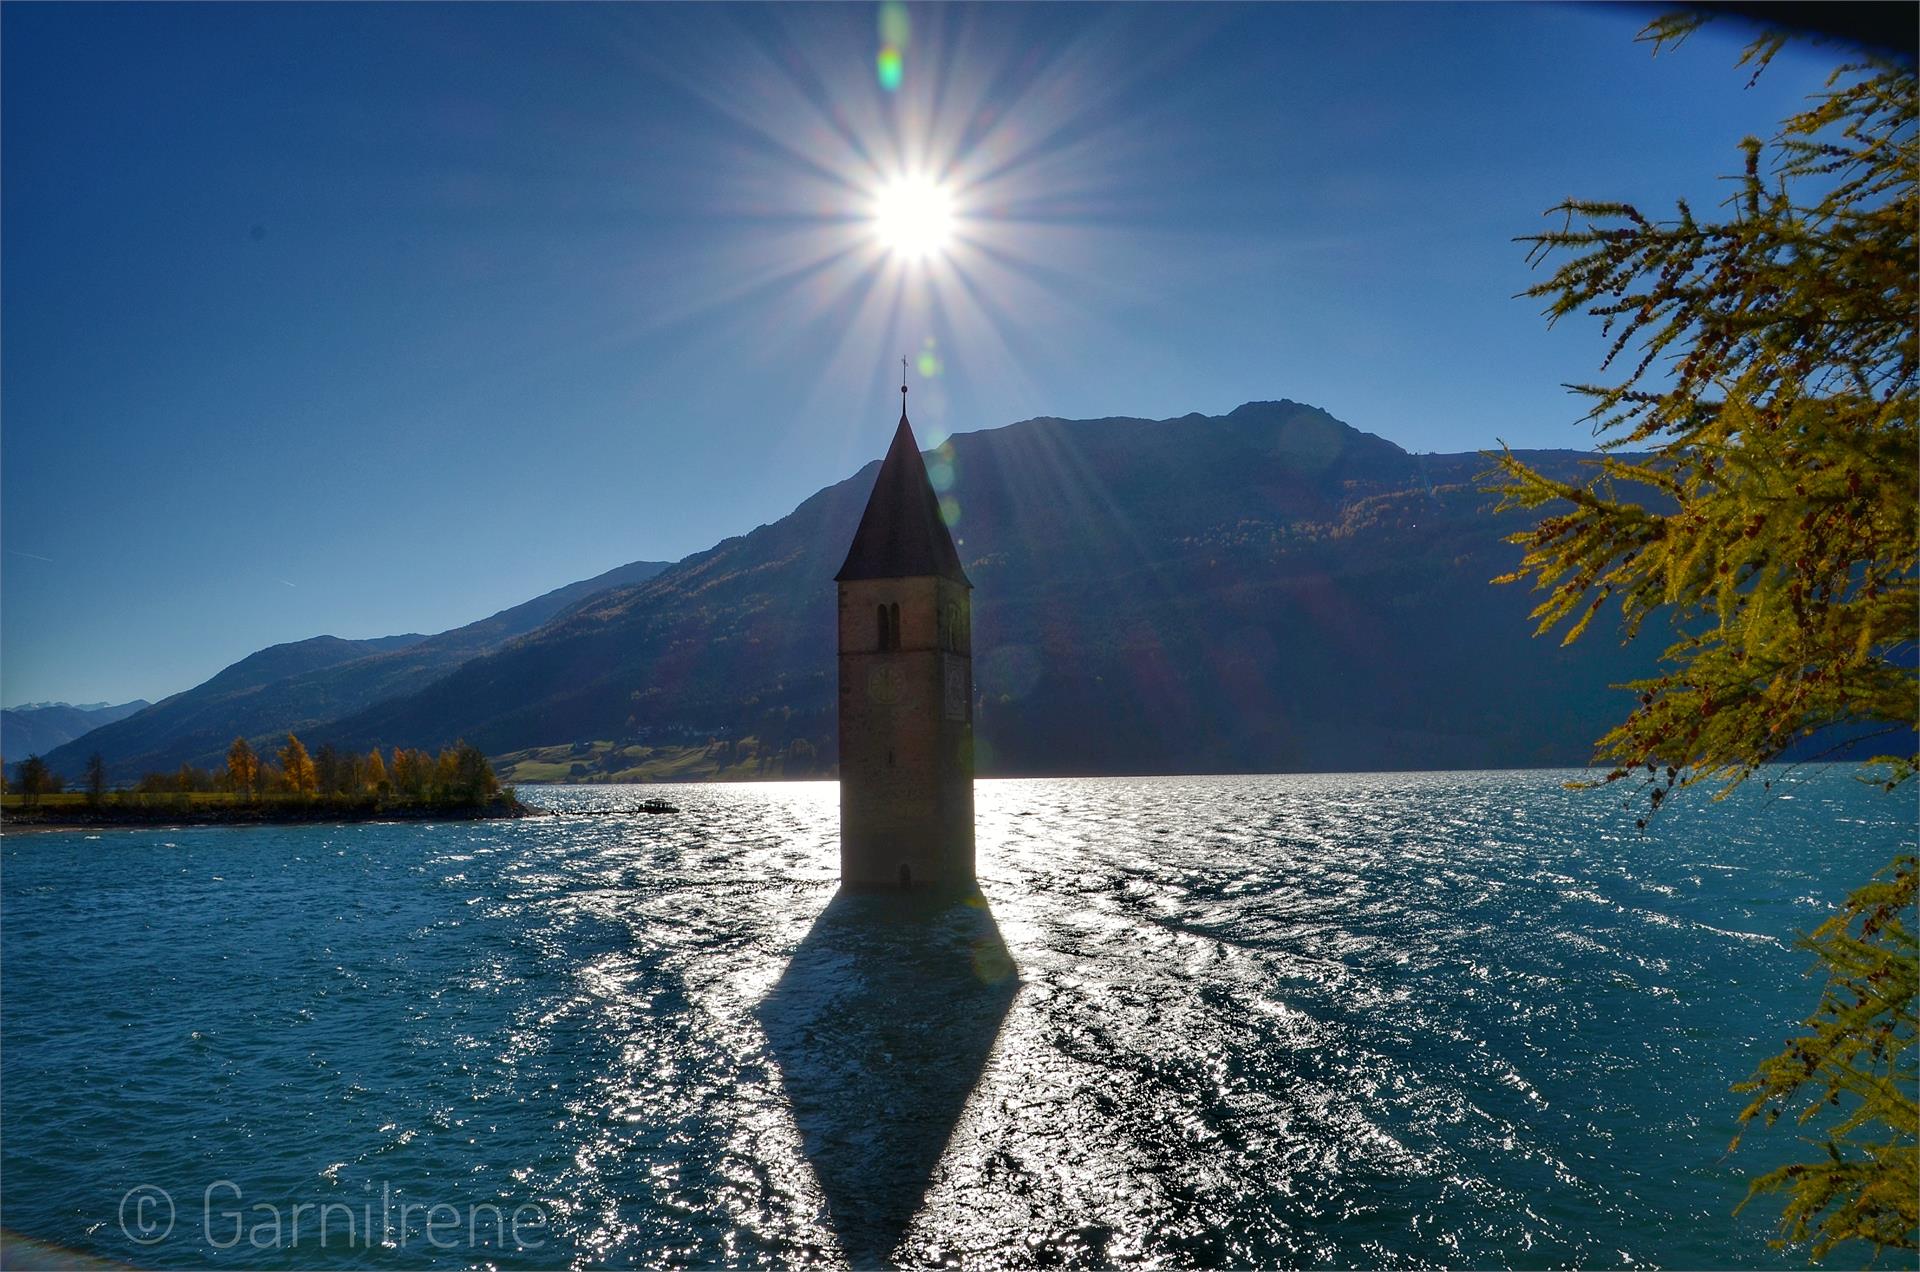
x: 1460, y: 1018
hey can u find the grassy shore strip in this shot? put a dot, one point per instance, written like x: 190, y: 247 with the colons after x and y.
x: 217, y: 808
x: 745, y: 759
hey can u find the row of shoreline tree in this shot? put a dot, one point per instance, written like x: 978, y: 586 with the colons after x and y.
x: 458, y: 775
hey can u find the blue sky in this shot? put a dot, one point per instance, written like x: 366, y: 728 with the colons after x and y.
x: 365, y: 319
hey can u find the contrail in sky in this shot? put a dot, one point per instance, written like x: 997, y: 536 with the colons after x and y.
x: 288, y: 584
x: 31, y: 556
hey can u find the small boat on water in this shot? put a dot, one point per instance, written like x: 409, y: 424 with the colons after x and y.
x: 657, y: 805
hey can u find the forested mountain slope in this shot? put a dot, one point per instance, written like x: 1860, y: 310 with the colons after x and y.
x: 1270, y: 589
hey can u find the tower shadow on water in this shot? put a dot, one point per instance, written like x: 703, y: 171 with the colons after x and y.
x: 882, y: 1025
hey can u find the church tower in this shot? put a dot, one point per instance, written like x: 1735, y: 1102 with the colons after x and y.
x: 906, y: 688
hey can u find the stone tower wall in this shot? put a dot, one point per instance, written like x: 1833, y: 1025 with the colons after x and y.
x: 906, y: 736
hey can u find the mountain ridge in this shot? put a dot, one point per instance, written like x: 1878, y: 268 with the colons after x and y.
x: 35, y: 728
x: 1267, y: 589
x: 737, y: 640
x: 300, y: 684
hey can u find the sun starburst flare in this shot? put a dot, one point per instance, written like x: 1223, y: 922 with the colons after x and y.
x: 913, y: 217
x: 969, y: 189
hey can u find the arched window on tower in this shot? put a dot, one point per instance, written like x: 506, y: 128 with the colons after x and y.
x: 893, y: 624
x: 880, y: 615
x: 953, y: 627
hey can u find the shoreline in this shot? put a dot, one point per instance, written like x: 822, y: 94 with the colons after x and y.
x: 165, y: 816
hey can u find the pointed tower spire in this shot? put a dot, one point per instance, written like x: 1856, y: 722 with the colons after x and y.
x: 902, y: 534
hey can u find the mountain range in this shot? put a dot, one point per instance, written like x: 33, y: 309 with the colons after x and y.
x: 34, y: 728
x: 301, y: 686
x: 1267, y: 590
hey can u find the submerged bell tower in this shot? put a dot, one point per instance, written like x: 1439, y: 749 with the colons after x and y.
x: 906, y: 687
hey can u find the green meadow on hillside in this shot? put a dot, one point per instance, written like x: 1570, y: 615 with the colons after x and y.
x: 737, y: 760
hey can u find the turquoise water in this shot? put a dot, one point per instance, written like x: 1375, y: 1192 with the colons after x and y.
x: 1370, y: 1019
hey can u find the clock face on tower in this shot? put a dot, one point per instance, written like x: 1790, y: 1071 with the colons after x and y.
x: 883, y: 684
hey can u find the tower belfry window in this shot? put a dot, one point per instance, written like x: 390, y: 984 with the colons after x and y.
x: 887, y: 625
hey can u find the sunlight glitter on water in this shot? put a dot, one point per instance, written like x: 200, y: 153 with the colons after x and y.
x: 1468, y: 1018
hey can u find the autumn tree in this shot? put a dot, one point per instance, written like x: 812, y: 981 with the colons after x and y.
x: 297, y: 766
x: 409, y: 773
x: 36, y: 779
x: 474, y: 780
x: 376, y: 772
x: 96, y: 778
x: 326, y: 769
x: 1762, y: 365
x: 243, y: 766
x: 446, y: 774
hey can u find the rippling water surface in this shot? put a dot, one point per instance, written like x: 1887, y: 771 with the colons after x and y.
x: 1371, y: 1019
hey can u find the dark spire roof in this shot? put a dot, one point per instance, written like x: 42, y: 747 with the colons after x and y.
x: 902, y: 534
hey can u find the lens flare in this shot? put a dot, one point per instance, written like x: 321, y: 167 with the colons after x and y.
x: 913, y: 218
x: 893, y: 42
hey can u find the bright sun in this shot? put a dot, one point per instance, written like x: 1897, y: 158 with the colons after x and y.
x: 913, y: 218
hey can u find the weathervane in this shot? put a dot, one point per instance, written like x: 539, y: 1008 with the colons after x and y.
x: 903, y: 382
